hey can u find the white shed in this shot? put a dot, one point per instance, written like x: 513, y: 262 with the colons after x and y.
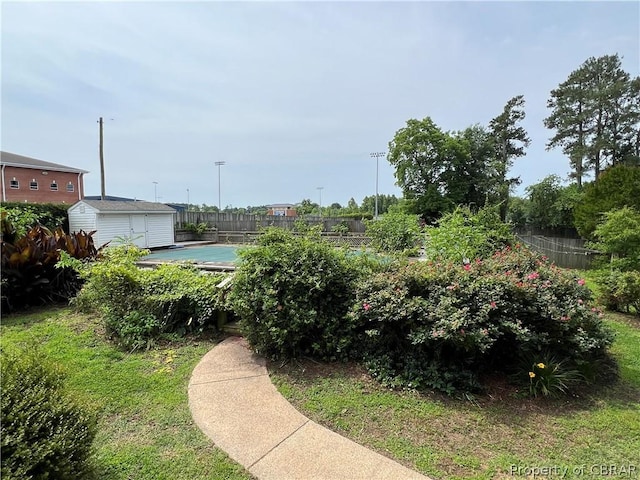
x: 146, y: 224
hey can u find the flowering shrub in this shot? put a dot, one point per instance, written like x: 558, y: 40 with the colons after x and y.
x: 440, y: 325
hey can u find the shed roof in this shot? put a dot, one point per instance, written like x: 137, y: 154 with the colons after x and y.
x: 14, y: 160
x: 110, y: 206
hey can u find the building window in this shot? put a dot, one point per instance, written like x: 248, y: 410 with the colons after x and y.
x: 14, y: 183
x: 54, y: 186
x: 33, y: 185
x: 70, y: 187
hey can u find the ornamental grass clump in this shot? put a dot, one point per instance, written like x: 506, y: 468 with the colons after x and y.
x: 552, y: 378
x: 445, y: 325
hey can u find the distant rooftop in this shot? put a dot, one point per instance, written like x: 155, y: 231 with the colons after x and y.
x: 14, y: 160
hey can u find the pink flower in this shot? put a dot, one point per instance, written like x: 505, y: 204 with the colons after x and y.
x: 580, y: 301
x: 581, y: 281
x: 493, y: 304
x: 533, y: 276
x: 366, y: 306
x: 467, y: 267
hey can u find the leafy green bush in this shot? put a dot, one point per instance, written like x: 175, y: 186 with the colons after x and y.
x: 45, y: 432
x: 291, y: 294
x: 31, y: 273
x: 620, y: 291
x: 618, y: 234
x: 198, y: 228
x: 26, y: 215
x: 462, y: 235
x: 141, y: 305
x: 443, y: 325
x: 395, y: 233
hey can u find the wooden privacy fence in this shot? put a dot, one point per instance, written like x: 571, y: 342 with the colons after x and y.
x: 238, y: 222
x: 564, y: 252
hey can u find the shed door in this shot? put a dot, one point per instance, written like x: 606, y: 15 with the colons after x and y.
x: 139, y: 230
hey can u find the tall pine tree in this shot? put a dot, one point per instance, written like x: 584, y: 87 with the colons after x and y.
x: 595, y: 114
x: 510, y: 140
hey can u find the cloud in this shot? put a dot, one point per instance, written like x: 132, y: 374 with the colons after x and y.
x: 293, y: 95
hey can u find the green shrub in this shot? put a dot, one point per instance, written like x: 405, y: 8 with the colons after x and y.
x: 462, y: 235
x: 618, y: 234
x: 46, y: 434
x: 27, y: 215
x: 291, y: 294
x: 140, y: 306
x: 395, y: 233
x: 443, y: 325
x: 198, y: 228
x: 620, y: 291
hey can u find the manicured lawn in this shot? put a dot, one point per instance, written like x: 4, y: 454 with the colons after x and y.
x: 490, y: 438
x: 145, y: 429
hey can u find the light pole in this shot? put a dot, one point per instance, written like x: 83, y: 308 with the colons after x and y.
x: 219, y: 164
x: 155, y: 191
x: 377, y: 156
x: 187, y: 199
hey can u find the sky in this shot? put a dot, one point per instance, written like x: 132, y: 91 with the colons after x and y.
x: 292, y: 96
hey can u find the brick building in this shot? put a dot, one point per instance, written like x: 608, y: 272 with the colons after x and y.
x: 31, y: 180
x: 282, y: 210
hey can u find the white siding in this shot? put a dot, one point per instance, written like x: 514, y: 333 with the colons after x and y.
x: 160, y: 231
x: 82, y: 220
x: 111, y: 226
x: 146, y: 229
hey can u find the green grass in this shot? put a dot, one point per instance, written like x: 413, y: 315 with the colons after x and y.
x: 455, y: 439
x: 145, y: 428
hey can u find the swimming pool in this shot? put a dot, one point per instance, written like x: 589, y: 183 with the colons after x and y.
x: 203, y: 254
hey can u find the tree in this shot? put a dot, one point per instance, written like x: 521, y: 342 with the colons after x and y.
x: 306, y: 207
x: 616, y: 188
x: 352, y: 205
x: 619, y: 235
x: 596, y: 117
x: 510, y: 141
x: 384, y: 202
x: 434, y: 169
x: 518, y: 211
x: 478, y: 173
x: 551, y: 205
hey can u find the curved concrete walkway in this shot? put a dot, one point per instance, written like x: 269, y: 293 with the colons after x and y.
x: 235, y: 404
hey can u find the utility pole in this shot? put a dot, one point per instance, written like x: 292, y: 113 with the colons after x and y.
x: 377, y: 156
x: 187, y: 199
x: 102, y: 187
x: 155, y: 191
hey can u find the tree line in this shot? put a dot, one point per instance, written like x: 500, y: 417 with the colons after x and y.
x: 594, y: 118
